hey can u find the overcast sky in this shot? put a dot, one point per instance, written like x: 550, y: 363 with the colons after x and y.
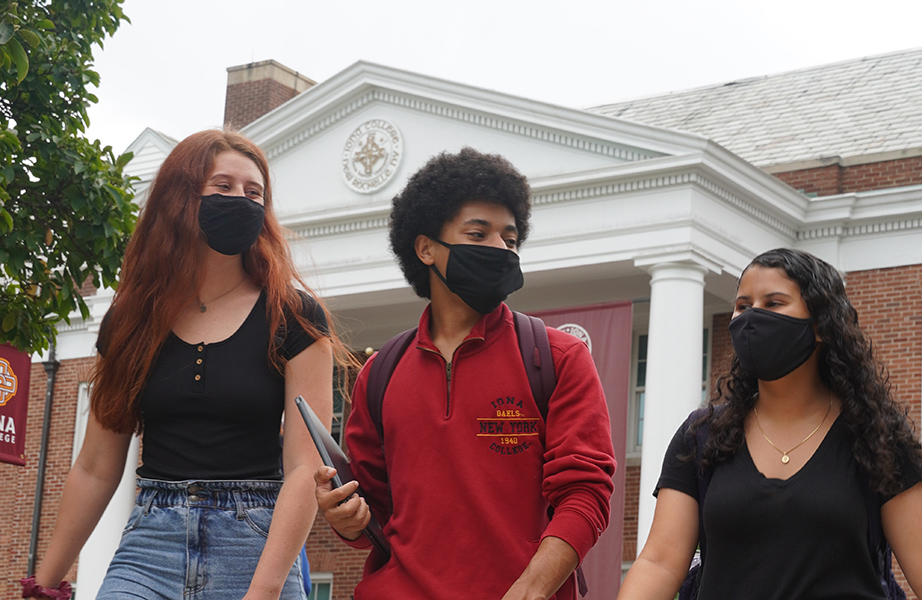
x: 167, y: 69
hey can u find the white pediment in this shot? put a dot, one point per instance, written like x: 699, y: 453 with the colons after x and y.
x: 150, y: 149
x: 307, y: 137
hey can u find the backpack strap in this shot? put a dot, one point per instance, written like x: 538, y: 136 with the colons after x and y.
x: 704, y: 477
x: 689, y: 589
x: 535, y: 348
x: 878, y: 546
x: 379, y: 374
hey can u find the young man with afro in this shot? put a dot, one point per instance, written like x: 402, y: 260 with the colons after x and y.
x: 467, y: 468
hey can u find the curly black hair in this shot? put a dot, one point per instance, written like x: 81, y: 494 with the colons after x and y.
x: 435, y: 194
x: 884, y: 439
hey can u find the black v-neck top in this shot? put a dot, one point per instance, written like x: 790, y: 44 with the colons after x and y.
x: 213, y: 411
x: 803, y: 538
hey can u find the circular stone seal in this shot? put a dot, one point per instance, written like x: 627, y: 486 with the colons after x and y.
x: 371, y: 155
x: 577, y: 331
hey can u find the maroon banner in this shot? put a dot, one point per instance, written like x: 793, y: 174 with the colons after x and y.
x: 606, y: 329
x: 15, y: 370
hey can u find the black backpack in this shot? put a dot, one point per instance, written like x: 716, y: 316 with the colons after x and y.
x: 534, y: 347
x: 877, y: 544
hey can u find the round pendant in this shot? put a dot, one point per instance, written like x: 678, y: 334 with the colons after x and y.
x: 785, y: 459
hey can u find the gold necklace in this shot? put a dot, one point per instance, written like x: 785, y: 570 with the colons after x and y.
x: 784, y: 455
x: 202, y: 304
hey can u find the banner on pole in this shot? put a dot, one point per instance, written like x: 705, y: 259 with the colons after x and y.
x: 15, y: 370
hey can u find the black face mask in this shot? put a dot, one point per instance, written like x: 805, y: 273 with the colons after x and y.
x: 771, y: 345
x: 231, y: 224
x: 482, y: 276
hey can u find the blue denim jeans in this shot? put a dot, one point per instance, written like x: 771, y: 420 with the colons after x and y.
x: 195, y: 540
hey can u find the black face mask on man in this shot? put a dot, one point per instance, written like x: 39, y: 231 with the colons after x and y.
x: 482, y: 276
x: 771, y: 345
x: 231, y: 224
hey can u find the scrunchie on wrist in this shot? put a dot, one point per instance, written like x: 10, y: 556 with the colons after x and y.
x: 30, y: 589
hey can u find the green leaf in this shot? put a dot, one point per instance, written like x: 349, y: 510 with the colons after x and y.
x: 124, y: 159
x: 19, y: 56
x: 30, y: 37
x: 6, y: 32
x: 6, y: 219
x: 9, y: 321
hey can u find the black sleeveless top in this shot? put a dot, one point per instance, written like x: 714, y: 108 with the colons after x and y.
x: 213, y: 411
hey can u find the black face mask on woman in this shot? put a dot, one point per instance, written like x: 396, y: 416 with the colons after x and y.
x: 231, y: 224
x: 482, y: 276
x: 770, y: 345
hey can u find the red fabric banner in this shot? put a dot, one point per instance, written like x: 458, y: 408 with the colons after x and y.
x: 15, y: 370
x: 606, y: 329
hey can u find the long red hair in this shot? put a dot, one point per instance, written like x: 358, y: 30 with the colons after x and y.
x: 161, y: 274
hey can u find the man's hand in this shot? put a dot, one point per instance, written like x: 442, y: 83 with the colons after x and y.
x: 344, y: 510
x: 548, y: 569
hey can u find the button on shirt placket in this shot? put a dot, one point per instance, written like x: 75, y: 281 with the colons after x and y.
x: 198, y: 378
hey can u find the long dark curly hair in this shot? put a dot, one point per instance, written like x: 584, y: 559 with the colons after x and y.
x: 883, y: 435
x: 435, y: 194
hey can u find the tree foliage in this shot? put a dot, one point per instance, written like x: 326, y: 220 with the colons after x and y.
x: 66, y: 208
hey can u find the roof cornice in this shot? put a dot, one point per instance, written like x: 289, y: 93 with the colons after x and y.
x: 313, y: 111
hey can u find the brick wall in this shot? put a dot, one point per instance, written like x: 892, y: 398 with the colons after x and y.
x: 17, y: 494
x: 245, y: 102
x: 631, y: 503
x: 327, y: 553
x: 889, y: 304
x: 836, y: 179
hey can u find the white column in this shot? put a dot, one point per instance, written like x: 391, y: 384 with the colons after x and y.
x: 100, y: 547
x: 674, y: 351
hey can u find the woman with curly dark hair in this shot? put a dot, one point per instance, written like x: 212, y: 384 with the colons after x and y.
x: 804, y: 464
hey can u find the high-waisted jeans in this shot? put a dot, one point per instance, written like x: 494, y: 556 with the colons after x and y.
x: 195, y: 540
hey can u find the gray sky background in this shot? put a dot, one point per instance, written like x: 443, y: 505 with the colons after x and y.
x: 167, y: 69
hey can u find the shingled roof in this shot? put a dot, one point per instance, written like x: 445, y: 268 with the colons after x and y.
x: 867, y: 106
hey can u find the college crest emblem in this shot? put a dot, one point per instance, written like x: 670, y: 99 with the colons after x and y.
x: 371, y: 155
x: 8, y: 382
x: 577, y: 331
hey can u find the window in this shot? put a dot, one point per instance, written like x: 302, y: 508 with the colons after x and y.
x: 83, y: 415
x: 636, y: 410
x: 321, y: 586
x: 340, y: 406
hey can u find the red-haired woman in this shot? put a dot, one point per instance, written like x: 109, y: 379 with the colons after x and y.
x: 205, y: 347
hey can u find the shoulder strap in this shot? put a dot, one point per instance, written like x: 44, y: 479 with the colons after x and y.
x: 704, y: 479
x: 689, y: 588
x: 379, y: 374
x: 534, y: 345
x: 878, y: 546
x: 535, y: 348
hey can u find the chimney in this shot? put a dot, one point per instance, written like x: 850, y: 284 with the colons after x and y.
x: 258, y: 88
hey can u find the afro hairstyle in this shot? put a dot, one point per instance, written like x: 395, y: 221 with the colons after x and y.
x: 435, y: 195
